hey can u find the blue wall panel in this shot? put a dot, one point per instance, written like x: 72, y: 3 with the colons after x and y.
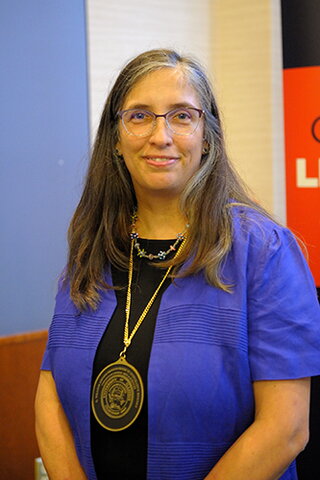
x: 44, y: 142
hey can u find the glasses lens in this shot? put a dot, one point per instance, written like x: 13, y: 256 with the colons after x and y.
x: 183, y: 121
x: 137, y: 122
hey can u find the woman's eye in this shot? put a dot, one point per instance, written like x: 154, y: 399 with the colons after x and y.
x: 183, y: 116
x: 138, y: 116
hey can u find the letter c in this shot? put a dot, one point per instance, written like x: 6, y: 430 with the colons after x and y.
x: 316, y: 135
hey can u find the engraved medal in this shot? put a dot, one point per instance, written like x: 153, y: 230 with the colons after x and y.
x: 117, y: 396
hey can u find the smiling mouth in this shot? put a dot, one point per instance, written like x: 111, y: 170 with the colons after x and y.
x: 161, y: 159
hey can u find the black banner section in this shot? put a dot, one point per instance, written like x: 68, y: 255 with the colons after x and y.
x: 300, y: 33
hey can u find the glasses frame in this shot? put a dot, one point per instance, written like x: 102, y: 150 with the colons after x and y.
x: 154, y: 119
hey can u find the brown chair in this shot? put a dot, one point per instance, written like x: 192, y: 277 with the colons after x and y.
x: 20, y: 360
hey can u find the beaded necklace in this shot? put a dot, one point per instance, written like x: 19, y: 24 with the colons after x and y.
x: 141, y: 251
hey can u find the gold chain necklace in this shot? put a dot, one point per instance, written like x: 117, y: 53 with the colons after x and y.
x: 118, y: 393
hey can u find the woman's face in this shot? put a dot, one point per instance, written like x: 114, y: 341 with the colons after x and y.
x: 161, y: 163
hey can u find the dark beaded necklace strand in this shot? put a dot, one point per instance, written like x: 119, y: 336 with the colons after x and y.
x: 141, y: 251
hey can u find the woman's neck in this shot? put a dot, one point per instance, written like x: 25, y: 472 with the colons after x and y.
x: 159, y: 222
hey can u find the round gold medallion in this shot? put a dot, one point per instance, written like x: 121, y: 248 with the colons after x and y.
x: 117, y: 395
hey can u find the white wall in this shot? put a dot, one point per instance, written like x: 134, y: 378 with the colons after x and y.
x: 278, y: 154
x: 118, y: 30
x: 247, y: 65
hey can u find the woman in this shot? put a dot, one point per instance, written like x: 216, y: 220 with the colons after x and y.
x: 186, y: 325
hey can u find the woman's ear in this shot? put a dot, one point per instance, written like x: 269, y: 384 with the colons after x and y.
x: 205, y: 147
x: 118, y: 150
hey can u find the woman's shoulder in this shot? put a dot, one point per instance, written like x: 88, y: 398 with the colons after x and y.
x: 64, y: 304
x: 63, y: 301
x: 257, y: 228
x: 269, y: 250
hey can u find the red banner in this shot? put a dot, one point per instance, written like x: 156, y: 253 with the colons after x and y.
x: 302, y: 142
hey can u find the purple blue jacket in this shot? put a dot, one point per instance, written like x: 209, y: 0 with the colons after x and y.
x: 208, y: 348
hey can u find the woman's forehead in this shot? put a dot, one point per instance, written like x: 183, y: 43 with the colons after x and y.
x: 176, y: 74
x: 169, y: 85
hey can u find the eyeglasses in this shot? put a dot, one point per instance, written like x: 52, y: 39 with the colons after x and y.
x: 181, y: 121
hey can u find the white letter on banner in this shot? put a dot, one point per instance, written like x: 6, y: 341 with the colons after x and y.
x: 302, y: 180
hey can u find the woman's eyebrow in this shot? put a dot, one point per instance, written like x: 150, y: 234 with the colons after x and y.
x: 138, y: 105
x: 181, y: 105
x: 172, y: 106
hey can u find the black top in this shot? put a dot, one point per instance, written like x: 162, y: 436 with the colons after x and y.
x: 123, y: 454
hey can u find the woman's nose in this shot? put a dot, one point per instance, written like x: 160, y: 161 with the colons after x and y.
x: 161, y: 133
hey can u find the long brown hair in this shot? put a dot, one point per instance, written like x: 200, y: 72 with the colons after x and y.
x: 99, y: 231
